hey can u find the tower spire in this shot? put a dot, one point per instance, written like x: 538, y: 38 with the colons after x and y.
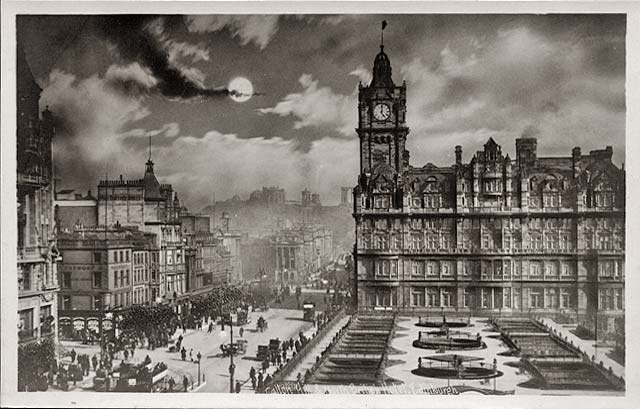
x: 384, y: 25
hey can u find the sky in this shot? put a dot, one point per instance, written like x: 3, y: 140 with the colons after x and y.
x: 115, y: 81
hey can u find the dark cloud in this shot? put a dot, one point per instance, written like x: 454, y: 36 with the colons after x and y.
x: 135, y: 43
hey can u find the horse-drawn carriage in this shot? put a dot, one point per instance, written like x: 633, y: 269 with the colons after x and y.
x: 237, y: 348
x: 262, y: 324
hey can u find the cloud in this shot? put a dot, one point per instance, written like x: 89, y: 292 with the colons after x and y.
x: 229, y: 174
x: 130, y: 79
x: 91, y: 117
x: 142, y: 39
x: 509, y: 84
x: 178, y: 49
x: 170, y: 130
x: 320, y: 106
x: 258, y: 29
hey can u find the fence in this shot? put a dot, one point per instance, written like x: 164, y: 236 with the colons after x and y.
x: 280, y: 376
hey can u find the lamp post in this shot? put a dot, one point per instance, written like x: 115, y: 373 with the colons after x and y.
x: 232, y: 367
x: 199, y: 358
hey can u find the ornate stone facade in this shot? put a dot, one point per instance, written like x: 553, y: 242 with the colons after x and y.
x: 37, y: 253
x: 495, y: 235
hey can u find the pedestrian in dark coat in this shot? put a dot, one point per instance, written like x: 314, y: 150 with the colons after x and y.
x: 185, y: 382
x: 94, y: 361
x: 238, y: 387
x: 73, y: 355
x: 184, y: 353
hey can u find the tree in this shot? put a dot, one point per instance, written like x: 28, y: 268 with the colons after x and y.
x: 34, y: 360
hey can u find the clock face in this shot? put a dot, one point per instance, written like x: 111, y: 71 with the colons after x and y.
x: 381, y: 112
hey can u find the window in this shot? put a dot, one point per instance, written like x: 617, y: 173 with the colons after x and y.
x: 498, y: 270
x: 97, y: 279
x: 469, y: 297
x: 26, y: 277
x: 536, y: 298
x: 170, y: 257
x: 127, y: 255
x: 447, y: 298
x: 417, y: 297
x: 127, y: 276
x: 66, y: 279
x: 486, y: 298
x: 433, y: 297
x: 66, y: 302
x: 121, y: 256
x: 97, y: 257
x: 432, y: 268
x: 552, y: 298
x: 566, y: 269
x: 416, y: 241
x: 382, y: 267
x: 506, y: 297
x: 619, y: 301
x: 432, y: 241
x: 417, y: 268
x: 535, y: 268
x: 517, y: 297
x: 97, y: 302
x: 565, y: 298
x: 516, y: 268
x: 550, y: 269
x: 26, y: 319
x: 606, y: 269
x: 179, y: 256
x: 447, y: 269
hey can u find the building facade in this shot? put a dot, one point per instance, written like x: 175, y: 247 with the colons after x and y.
x: 37, y: 253
x: 496, y: 235
x: 153, y: 208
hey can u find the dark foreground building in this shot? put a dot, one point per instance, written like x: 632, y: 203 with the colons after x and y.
x: 497, y: 235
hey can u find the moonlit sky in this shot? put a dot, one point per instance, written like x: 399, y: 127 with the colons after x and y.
x: 113, y: 81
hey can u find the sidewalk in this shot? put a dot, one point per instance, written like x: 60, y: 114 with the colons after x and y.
x: 586, y: 346
x: 310, y: 359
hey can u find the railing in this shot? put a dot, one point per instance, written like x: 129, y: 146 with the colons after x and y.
x: 291, y: 364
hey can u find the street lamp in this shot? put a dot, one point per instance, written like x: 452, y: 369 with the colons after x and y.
x: 199, y: 358
x: 232, y: 367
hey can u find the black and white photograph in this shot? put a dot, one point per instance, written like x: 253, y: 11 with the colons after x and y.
x: 261, y: 205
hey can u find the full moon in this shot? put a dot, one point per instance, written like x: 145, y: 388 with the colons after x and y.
x: 240, y: 89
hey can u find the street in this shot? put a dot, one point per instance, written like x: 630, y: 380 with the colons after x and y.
x: 283, y: 324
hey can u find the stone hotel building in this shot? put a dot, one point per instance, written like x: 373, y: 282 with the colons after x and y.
x: 496, y: 235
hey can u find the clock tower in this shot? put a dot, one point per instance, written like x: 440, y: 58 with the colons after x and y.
x: 381, y: 120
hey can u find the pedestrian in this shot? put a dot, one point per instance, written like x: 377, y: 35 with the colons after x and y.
x: 279, y: 360
x: 210, y: 327
x: 126, y: 354
x: 73, y: 355
x: 291, y: 343
x: 238, y: 386
x: 253, y: 383
x: 133, y: 350
x: 172, y: 383
x: 241, y: 331
x: 267, y: 380
x: 191, y: 354
x: 419, y: 362
x: 94, y: 361
x: 265, y: 364
x: 183, y: 352
x: 252, y: 373
x: 147, y: 360
x: 185, y: 382
x: 284, y: 355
